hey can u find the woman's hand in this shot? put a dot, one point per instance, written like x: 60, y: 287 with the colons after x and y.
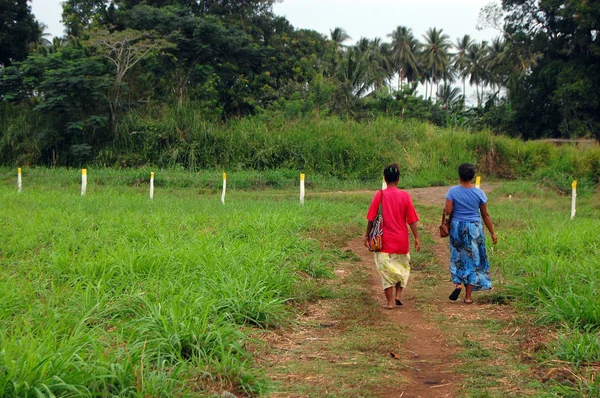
x: 417, y: 245
x: 366, y: 241
x: 494, y: 239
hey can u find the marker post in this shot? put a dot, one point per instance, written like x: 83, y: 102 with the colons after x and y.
x: 19, y: 180
x: 224, y: 188
x: 478, y: 182
x: 83, y: 181
x: 574, y: 199
x: 302, y: 188
x: 151, y: 185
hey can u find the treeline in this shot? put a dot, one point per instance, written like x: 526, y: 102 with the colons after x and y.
x: 128, y: 63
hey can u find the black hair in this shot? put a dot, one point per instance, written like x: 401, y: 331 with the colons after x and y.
x: 466, y: 172
x: 391, y: 173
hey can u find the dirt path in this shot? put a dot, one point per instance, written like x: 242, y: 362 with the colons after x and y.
x: 353, y: 347
x: 430, y: 359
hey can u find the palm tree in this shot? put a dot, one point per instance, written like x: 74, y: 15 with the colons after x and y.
x: 496, y: 64
x: 41, y: 41
x: 352, y: 71
x: 460, y: 58
x: 435, y: 54
x: 374, y: 58
x: 405, y: 49
x: 448, y: 96
x: 338, y: 37
x: 476, y: 57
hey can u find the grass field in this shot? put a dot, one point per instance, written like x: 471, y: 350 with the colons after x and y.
x: 550, y: 264
x: 114, y: 294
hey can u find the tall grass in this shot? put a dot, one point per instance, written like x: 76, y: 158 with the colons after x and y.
x: 169, y: 137
x: 114, y: 294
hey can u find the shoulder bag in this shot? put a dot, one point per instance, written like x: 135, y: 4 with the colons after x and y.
x: 445, y: 225
x: 376, y: 234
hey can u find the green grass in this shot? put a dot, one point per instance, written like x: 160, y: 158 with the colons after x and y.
x: 551, y: 266
x: 114, y: 294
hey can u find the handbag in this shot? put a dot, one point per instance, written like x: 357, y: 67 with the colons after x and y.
x: 445, y: 225
x: 376, y: 234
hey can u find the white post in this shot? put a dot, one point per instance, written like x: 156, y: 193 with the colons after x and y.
x: 224, y: 187
x: 19, y: 180
x: 151, y: 185
x: 478, y: 182
x: 574, y: 199
x: 383, y: 184
x: 83, y: 181
x: 302, y: 176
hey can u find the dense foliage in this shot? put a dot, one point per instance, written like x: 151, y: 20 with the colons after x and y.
x: 132, y: 62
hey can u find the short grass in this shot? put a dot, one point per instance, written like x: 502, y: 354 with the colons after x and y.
x: 112, y: 294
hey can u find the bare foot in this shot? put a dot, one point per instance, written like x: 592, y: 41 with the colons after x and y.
x: 388, y: 307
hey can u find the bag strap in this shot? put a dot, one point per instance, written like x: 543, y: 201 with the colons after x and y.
x: 443, y: 216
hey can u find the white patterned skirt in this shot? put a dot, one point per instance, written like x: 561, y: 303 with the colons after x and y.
x: 393, y: 268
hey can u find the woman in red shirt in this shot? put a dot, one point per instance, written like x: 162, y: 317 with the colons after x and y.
x: 393, y: 261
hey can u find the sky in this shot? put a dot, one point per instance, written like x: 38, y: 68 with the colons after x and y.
x: 360, y: 18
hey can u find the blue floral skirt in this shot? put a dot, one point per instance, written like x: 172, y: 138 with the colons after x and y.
x: 468, y: 257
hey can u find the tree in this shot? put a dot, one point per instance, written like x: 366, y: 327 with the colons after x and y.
x: 41, y: 41
x: 124, y: 50
x: 436, y: 55
x: 556, y: 94
x: 405, y: 50
x: 476, y: 66
x: 67, y: 89
x: 460, y: 63
x: 79, y: 15
x: 18, y: 29
x: 338, y: 37
x: 496, y: 66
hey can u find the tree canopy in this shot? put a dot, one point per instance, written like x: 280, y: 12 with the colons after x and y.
x: 124, y: 59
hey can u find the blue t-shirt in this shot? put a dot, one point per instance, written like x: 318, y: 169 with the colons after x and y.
x: 465, y: 203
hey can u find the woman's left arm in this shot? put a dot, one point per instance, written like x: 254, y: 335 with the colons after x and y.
x: 488, y: 221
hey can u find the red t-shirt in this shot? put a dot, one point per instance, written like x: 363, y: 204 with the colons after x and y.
x: 398, y: 212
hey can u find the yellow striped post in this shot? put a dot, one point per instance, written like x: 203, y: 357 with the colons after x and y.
x: 151, y: 185
x: 302, y: 188
x: 478, y: 182
x: 19, y: 180
x: 224, y: 188
x: 83, y: 181
x: 574, y: 199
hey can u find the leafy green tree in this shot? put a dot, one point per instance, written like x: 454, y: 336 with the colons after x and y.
x: 79, y: 15
x: 558, y: 93
x: 18, y: 29
x: 67, y: 89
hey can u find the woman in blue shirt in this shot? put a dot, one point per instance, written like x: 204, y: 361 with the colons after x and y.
x: 468, y: 258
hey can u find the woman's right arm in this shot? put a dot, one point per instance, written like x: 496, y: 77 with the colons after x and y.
x: 448, y: 207
x: 369, y: 228
x: 488, y: 221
